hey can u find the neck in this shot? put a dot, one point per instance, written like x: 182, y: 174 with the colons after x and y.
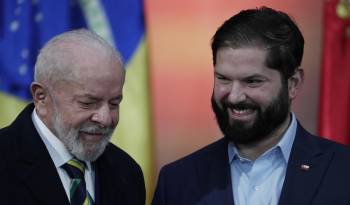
x: 254, y: 150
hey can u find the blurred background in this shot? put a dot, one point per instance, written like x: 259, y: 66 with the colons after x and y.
x: 166, y: 112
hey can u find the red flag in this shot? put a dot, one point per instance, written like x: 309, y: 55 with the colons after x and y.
x: 334, y: 117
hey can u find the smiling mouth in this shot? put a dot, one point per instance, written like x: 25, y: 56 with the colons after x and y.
x: 91, y: 136
x: 241, y: 114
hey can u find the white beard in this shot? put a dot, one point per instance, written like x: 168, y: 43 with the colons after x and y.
x: 71, y: 139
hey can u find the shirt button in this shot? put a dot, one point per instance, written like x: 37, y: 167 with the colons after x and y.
x: 257, y: 188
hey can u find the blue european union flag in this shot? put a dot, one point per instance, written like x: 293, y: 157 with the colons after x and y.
x: 26, y: 25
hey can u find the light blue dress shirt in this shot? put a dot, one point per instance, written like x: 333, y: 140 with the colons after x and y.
x: 260, y: 182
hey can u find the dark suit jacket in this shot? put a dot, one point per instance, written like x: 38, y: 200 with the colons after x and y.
x: 203, y: 178
x: 28, y: 175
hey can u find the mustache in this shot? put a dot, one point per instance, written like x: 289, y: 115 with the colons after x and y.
x: 96, y: 129
x: 241, y: 105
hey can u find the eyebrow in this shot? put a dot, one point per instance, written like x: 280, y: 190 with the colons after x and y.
x: 119, y: 97
x: 257, y: 76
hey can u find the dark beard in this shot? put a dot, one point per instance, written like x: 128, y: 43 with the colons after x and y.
x: 266, y: 122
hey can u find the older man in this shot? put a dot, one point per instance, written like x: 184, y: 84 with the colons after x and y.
x: 266, y: 156
x: 57, y: 151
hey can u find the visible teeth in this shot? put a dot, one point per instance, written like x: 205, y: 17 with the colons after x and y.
x: 245, y: 111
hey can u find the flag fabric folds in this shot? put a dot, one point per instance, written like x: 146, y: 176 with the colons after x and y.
x: 334, y: 115
x: 25, y: 25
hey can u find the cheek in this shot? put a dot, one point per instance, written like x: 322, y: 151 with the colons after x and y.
x: 260, y: 99
x: 77, y: 120
x: 219, y: 95
x: 264, y: 97
x: 220, y: 92
x: 115, y: 117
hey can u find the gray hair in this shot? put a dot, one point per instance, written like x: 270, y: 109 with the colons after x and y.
x: 55, y: 60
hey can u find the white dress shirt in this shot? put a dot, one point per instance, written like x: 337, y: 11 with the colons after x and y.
x: 60, y: 155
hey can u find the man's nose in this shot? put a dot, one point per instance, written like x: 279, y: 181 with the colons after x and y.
x: 236, y: 94
x: 103, y: 116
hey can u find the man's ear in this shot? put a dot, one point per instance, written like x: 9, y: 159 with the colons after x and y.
x: 295, y: 83
x: 40, y: 98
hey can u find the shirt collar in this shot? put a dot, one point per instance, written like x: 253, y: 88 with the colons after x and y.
x: 57, y: 150
x: 287, y: 140
x: 285, y: 144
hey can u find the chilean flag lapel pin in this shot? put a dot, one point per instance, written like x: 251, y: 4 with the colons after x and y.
x: 304, y: 167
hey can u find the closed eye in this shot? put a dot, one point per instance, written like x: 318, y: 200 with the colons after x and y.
x: 222, y: 78
x: 114, y: 105
x: 86, y: 104
x: 250, y: 81
x: 254, y: 82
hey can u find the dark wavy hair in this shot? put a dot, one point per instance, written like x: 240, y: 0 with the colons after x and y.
x: 264, y: 28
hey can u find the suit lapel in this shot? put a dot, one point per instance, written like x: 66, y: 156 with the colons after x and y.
x: 300, y: 184
x: 97, y: 185
x: 108, y: 185
x: 44, y: 183
x: 34, y: 165
x: 214, y: 176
